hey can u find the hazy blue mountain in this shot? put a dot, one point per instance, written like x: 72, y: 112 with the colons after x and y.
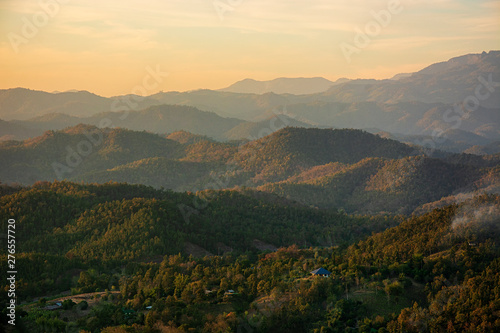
x: 453, y: 140
x: 427, y: 101
x: 296, y: 86
x: 20, y: 103
x: 447, y: 82
x: 251, y: 107
x: 257, y: 130
x: 401, y: 76
x: 171, y: 118
x: 162, y: 119
x: 414, y: 118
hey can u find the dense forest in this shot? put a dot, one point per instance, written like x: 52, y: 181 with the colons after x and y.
x: 132, y: 258
x: 291, y: 205
x: 359, y: 172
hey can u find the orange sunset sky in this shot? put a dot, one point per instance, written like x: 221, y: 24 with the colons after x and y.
x: 104, y: 46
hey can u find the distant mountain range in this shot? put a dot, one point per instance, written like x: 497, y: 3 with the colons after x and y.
x: 435, y: 106
x: 352, y: 169
x: 23, y: 104
x: 161, y: 119
x: 295, y: 86
x: 371, y: 116
x: 448, y: 82
x: 409, y: 103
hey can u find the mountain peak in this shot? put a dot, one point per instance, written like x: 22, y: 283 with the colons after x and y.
x: 482, y: 62
x: 283, y: 85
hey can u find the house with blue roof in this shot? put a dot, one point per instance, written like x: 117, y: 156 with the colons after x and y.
x: 321, y: 272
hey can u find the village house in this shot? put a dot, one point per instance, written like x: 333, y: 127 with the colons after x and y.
x: 321, y: 272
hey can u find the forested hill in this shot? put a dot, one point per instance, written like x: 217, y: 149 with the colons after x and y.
x: 455, y: 250
x: 102, y: 152
x: 432, y: 273
x: 127, y: 222
x: 291, y: 150
x: 62, y: 225
x: 349, y: 169
x: 375, y: 184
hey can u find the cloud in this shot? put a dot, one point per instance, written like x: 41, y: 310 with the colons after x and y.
x: 477, y: 216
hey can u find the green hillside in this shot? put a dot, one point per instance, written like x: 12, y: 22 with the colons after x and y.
x: 71, y: 216
x: 293, y: 150
x: 338, y: 169
x: 115, y: 246
x: 375, y: 184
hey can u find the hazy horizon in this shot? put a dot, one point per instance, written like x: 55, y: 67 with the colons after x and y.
x: 272, y: 206
x: 107, y: 48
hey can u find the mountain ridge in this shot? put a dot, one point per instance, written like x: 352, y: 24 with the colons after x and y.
x: 327, y: 168
x: 283, y: 85
x: 427, y: 102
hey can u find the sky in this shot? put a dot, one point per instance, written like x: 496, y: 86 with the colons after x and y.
x: 112, y: 47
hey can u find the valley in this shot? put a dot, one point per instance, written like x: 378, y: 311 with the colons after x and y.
x: 213, y: 210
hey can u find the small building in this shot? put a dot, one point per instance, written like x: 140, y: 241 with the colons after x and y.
x: 229, y: 292
x: 321, y: 272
